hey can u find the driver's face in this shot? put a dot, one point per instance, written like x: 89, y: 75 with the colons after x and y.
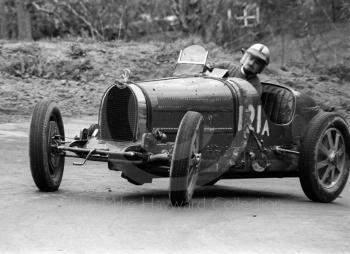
x: 252, y: 64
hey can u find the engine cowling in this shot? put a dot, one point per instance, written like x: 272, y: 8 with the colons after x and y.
x: 128, y: 111
x: 170, y: 99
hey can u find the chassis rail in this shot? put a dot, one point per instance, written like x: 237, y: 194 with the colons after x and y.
x: 104, y: 155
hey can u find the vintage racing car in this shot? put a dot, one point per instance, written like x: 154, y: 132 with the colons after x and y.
x: 196, y: 128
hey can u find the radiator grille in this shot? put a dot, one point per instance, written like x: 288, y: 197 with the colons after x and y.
x: 120, y: 115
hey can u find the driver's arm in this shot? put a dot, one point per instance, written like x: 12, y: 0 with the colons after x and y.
x: 257, y: 84
x: 222, y: 65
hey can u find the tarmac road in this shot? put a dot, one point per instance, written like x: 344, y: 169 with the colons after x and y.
x: 97, y: 211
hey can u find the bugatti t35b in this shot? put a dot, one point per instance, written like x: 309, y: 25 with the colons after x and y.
x: 196, y: 128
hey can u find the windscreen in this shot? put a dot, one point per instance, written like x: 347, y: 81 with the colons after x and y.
x: 191, y: 61
x: 194, y: 54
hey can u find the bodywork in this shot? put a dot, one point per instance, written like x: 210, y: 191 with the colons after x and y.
x: 196, y: 128
x: 245, y: 134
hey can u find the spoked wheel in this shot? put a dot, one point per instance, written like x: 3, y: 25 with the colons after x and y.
x: 324, y: 166
x: 184, y: 168
x: 330, y: 163
x: 46, y: 162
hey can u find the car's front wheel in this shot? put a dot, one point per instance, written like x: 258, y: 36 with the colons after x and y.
x: 46, y: 130
x: 184, y: 168
x: 324, y: 157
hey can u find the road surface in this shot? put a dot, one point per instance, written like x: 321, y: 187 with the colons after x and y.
x: 97, y: 211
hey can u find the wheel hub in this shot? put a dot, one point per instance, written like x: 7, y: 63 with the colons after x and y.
x: 332, y: 157
x: 197, y: 158
x: 54, y: 157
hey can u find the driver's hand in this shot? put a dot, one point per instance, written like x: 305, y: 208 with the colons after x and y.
x: 209, y: 67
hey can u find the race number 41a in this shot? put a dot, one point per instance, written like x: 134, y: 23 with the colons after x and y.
x: 259, y: 126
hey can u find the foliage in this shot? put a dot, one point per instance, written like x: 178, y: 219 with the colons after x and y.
x: 213, y: 20
x: 28, y: 61
x: 341, y: 71
x: 100, y: 19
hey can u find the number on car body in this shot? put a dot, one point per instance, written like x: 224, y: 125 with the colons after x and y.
x: 259, y: 126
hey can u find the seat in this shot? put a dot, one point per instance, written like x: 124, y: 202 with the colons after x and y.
x: 278, y: 103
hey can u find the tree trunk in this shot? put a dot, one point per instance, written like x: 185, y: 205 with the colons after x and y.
x: 189, y: 14
x: 3, y: 23
x: 24, y: 24
x: 283, y: 47
x: 334, y: 14
x: 180, y: 8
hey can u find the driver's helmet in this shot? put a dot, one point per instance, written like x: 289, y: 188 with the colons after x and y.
x: 260, y: 51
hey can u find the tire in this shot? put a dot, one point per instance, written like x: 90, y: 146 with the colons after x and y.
x: 46, y: 163
x: 324, y: 157
x: 184, y: 168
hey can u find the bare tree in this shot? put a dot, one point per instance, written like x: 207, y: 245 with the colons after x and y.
x: 189, y: 14
x: 3, y: 22
x: 24, y: 24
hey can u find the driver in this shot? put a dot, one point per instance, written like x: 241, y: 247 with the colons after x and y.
x: 253, y: 62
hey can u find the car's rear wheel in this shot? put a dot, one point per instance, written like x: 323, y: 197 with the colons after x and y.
x: 184, y: 168
x: 324, y: 157
x: 46, y: 162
